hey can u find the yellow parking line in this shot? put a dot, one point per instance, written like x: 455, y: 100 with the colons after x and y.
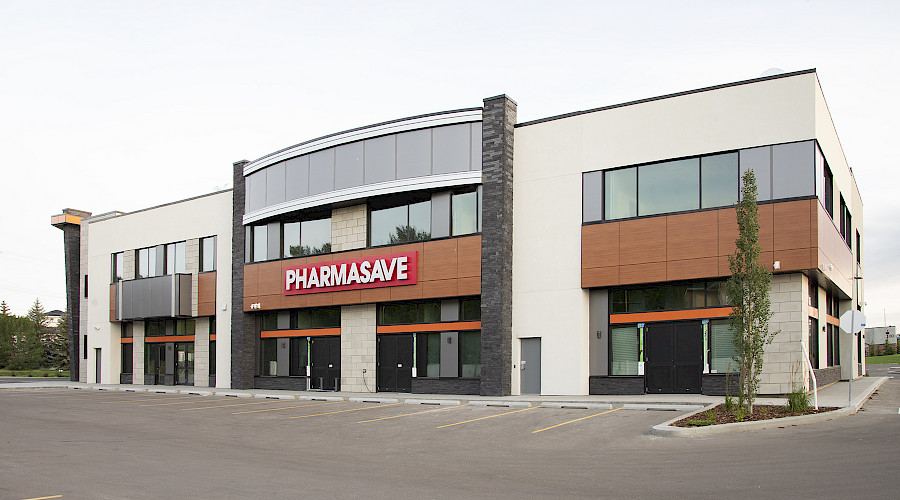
x: 576, y: 420
x: 151, y: 399
x: 286, y: 407
x: 44, y: 498
x: 175, y: 403
x: 232, y: 404
x: 352, y: 409
x: 408, y: 414
x: 490, y: 416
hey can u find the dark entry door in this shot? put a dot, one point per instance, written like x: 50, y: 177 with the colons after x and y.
x: 395, y: 357
x: 673, y: 357
x: 97, y: 364
x: 184, y: 363
x: 325, y: 365
x: 155, y: 365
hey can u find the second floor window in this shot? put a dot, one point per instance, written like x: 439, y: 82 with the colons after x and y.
x: 118, y: 267
x: 208, y: 254
x: 400, y: 224
x: 307, y: 237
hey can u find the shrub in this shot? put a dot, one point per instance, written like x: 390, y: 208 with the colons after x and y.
x: 798, y: 401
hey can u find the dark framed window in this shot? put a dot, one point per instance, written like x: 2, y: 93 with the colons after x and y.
x: 858, y: 248
x: 299, y: 356
x: 668, y: 297
x: 470, y: 309
x: 400, y: 224
x: 147, y: 263
x: 814, y: 342
x: 127, y: 358
x: 320, y: 317
x: 268, y: 357
x: 409, y: 313
x: 175, y: 258
x: 464, y: 211
x: 257, y: 243
x: 846, y: 223
x: 208, y: 254
x: 719, y: 180
x: 624, y: 349
x: 307, y: 237
x: 85, y: 286
x: 118, y: 267
x: 829, y: 191
x: 813, y: 294
x: 127, y: 330
x: 468, y: 358
x: 721, y: 347
x: 212, y: 357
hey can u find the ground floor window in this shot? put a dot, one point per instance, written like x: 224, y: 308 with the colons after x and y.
x: 814, y: 342
x: 299, y: 358
x: 833, y: 339
x: 212, y: 357
x: 624, y: 350
x: 433, y: 351
x: 127, y: 358
x: 268, y: 357
x: 721, y: 347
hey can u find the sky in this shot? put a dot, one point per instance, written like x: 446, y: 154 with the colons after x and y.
x: 123, y: 105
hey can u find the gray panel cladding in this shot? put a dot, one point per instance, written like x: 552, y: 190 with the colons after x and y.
x: 348, y: 165
x: 760, y: 161
x: 475, y: 146
x: 450, y: 310
x: 283, y: 358
x: 440, y: 214
x: 592, y: 196
x: 499, y: 118
x: 414, y: 154
x: 184, y: 295
x: 296, y: 178
x: 450, y: 149
x: 793, y: 170
x: 152, y: 297
x: 599, y: 322
x: 170, y: 359
x: 449, y: 354
x: 284, y: 320
x: 381, y: 159
x: 321, y: 171
x: 273, y: 240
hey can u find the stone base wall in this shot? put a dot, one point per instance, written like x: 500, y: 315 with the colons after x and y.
x: 280, y: 383
x: 446, y: 386
x: 827, y: 376
x: 783, y: 358
x: 715, y: 384
x: 598, y: 385
x: 125, y: 378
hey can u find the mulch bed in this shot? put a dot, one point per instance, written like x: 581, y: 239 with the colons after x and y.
x: 718, y: 415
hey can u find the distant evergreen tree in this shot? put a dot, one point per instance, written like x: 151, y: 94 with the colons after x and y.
x: 56, y: 344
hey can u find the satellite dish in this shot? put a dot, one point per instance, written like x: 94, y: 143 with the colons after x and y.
x: 772, y: 72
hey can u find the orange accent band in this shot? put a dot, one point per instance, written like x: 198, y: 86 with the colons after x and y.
x: 813, y: 312
x: 170, y: 338
x: 212, y: 336
x: 128, y: 341
x: 308, y: 332
x: 430, y: 327
x: 831, y: 319
x: 715, y: 312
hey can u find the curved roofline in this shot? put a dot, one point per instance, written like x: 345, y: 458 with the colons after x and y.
x: 667, y: 96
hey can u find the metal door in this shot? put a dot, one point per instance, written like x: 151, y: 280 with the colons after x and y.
x: 394, y: 363
x: 325, y: 365
x: 97, y: 364
x: 530, y: 364
x: 659, y: 357
x: 184, y: 363
x: 688, y: 356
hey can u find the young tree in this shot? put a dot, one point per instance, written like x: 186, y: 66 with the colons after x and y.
x: 4, y: 309
x: 748, y: 292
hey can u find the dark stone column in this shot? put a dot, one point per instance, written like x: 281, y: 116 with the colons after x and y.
x: 70, y: 224
x: 243, y: 341
x: 499, y: 119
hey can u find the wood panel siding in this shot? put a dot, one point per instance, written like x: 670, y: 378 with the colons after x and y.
x: 697, y: 245
x: 112, y: 302
x: 446, y: 268
x: 206, y: 294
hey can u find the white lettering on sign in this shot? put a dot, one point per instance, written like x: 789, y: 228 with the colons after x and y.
x: 365, y: 272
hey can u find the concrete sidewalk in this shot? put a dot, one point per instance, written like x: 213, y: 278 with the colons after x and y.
x: 833, y: 396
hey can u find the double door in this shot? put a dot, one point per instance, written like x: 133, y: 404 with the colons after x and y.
x: 394, y: 363
x: 325, y: 363
x: 673, y: 357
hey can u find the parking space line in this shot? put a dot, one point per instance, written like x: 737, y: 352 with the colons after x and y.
x: 151, y: 399
x: 408, y: 414
x: 576, y: 420
x: 352, y: 409
x: 232, y: 404
x: 192, y: 401
x: 44, y: 498
x: 489, y: 416
x: 286, y: 407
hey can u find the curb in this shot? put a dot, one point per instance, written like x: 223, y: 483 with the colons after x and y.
x: 440, y: 402
x: 232, y: 394
x: 372, y: 400
x: 576, y: 406
x: 665, y: 429
x: 507, y: 404
x: 664, y: 407
x: 263, y: 395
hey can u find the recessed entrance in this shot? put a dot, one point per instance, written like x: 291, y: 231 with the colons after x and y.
x: 325, y: 363
x: 394, y: 363
x: 673, y: 357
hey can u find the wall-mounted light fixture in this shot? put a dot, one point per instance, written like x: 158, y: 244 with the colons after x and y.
x: 777, y: 265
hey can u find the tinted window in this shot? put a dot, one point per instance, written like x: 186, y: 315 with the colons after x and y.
x: 719, y: 180
x: 672, y: 186
x: 620, y: 193
x: 315, y: 236
x: 464, y: 218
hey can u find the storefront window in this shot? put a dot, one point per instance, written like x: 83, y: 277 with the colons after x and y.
x: 299, y: 356
x: 470, y: 309
x: 624, y: 349
x: 721, y: 347
x: 127, y: 358
x: 470, y: 354
x: 408, y: 313
x: 268, y: 357
x: 668, y: 297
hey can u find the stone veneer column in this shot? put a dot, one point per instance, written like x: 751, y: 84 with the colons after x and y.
x: 72, y: 251
x: 358, y: 348
x: 192, y: 266
x: 499, y: 118
x: 243, y: 325
x: 137, y: 353
x: 201, y: 353
x: 787, y: 294
x: 349, y: 228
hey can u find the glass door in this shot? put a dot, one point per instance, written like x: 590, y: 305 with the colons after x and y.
x: 184, y: 363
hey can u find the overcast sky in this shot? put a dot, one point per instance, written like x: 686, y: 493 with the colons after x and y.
x: 122, y: 105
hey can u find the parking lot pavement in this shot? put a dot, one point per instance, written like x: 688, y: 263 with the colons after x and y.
x: 79, y: 443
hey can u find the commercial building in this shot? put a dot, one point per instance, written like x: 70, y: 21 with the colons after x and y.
x: 462, y: 252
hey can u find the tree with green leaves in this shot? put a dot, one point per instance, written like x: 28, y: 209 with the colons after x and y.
x: 4, y: 309
x: 748, y: 292
x: 56, y: 344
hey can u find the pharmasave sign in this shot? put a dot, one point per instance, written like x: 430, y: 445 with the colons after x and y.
x: 352, y: 274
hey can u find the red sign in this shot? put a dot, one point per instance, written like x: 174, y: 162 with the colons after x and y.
x: 352, y: 274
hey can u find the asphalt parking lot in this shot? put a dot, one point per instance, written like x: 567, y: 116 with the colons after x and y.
x: 111, y: 444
